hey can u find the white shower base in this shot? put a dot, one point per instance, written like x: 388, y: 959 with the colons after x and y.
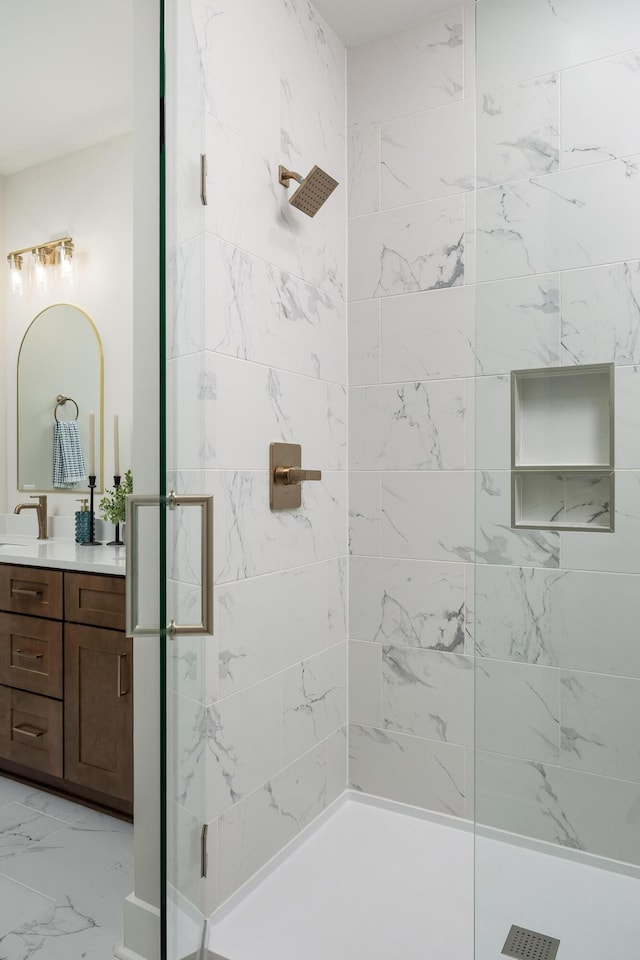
x: 373, y: 883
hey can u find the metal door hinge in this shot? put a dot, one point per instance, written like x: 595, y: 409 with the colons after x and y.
x: 203, y: 179
x: 204, y: 856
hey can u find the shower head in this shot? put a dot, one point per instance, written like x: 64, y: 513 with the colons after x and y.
x: 313, y: 192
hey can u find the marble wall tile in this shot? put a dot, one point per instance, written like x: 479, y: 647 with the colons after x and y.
x: 365, y: 514
x: 257, y: 405
x: 556, y: 222
x: 492, y: 426
x: 408, y: 769
x: 186, y: 294
x: 191, y: 442
x: 257, y: 312
x: 514, y: 607
x: 518, y: 710
x: 496, y: 541
x: 408, y: 602
x: 314, y: 701
x: 363, y: 169
x: 411, y: 426
x: 229, y: 97
x: 255, y: 829
x: 261, y: 221
x: 469, y: 13
x: 597, y: 100
x: 365, y: 672
x: 187, y: 659
x: 429, y: 56
x: 269, y: 342
x: 246, y: 533
x: 518, y: 131
x: 337, y: 764
x: 573, y: 809
x: 518, y: 324
x: 186, y: 753
x: 427, y: 694
x: 627, y: 405
x: 267, y: 624
x: 338, y: 594
x: 528, y: 39
x: 243, y: 742
x: 407, y: 250
x: 428, y: 335
x: 318, y: 530
x: 559, y: 618
x: 601, y: 314
x: 600, y: 722
x: 364, y: 342
x: 427, y: 155
x: 616, y: 553
x: 470, y: 237
x: 427, y: 516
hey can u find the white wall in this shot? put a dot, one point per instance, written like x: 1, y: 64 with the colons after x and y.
x: 87, y: 195
x: 3, y: 358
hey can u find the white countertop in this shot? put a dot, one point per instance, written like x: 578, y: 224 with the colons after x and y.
x: 62, y: 555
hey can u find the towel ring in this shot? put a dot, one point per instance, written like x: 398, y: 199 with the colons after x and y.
x: 60, y: 402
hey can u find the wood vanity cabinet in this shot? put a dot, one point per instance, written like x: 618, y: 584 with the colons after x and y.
x: 66, y: 675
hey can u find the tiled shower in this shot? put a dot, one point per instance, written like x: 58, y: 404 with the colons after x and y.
x: 397, y: 636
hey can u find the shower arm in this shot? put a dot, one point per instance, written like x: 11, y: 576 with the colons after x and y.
x: 286, y: 175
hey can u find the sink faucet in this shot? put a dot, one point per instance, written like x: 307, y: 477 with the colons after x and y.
x: 41, y: 508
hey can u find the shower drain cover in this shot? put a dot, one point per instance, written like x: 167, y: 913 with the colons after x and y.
x: 528, y: 945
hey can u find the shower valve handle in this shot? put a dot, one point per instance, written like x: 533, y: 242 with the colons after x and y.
x: 289, y: 475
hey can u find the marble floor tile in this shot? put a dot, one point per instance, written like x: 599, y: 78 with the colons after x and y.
x: 21, y: 827
x: 20, y: 904
x: 71, y: 868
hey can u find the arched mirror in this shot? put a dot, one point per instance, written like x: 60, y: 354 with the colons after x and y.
x: 60, y: 378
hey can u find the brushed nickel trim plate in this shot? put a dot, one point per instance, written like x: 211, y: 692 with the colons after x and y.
x: 286, y: 476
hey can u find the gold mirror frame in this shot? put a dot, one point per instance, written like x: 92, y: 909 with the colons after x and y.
x: 99, y: 413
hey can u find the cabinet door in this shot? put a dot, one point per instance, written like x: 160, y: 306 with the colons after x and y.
x: 98, y: 710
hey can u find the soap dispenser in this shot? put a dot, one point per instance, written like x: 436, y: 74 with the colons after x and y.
x: 83, y: 522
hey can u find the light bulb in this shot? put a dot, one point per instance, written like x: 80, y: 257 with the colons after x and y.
x: 66, y: 264
x: 41, y: 277
x: 17, y: 276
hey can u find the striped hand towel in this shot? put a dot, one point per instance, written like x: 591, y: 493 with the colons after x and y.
x: 68, y: 462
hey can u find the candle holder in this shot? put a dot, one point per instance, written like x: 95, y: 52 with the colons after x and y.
x: 92, y: 542
x: 117, y: 542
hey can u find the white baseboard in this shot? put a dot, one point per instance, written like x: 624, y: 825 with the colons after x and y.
x: 122, y: 953
x: 141, y: 931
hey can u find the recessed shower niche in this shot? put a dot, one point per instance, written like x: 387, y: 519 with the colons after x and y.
x: 562, y: 448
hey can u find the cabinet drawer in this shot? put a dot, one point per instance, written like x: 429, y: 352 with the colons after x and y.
x: 31, y: 654
x: 31, y: 730
x: 95, y: 600
x: 31, y: 590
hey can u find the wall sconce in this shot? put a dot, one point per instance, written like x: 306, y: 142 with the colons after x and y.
x: 55, y: 257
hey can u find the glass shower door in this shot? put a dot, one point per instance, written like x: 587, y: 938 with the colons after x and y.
x: 186, y: 519
x: 557, y: 671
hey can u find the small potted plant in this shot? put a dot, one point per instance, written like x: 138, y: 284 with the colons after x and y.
x: 112, y: 505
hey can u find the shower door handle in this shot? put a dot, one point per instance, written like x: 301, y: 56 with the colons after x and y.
x: 134, y: 626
